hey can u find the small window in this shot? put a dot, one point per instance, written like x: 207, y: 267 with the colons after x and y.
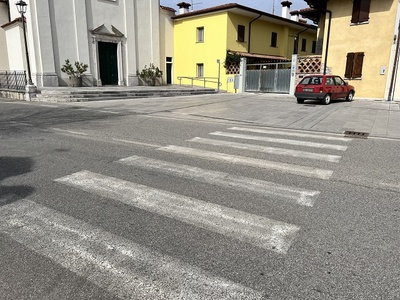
x: 241, y: 33
x: 274, y: 39
x: 200, y: 34
x: 315, y: 80
x: 169, y: 59
x: 200, y: 70
x: 339, y: 81
x: 303, y: 45
x: 354, y: 63
x: 360, y: 11
x: 329, y: 81
x: 314, y: 47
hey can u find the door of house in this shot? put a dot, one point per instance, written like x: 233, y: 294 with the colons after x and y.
x: 108, y: 63
x: 268, y: 78
x: 169, y: 70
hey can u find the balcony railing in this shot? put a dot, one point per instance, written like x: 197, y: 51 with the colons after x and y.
x: 204, y: 80
x: 13, y: 80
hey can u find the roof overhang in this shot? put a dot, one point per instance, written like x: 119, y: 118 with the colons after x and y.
x: 308, y: 13
x: 259, y: 56
x: 245, y: 11
x: 317, y: 4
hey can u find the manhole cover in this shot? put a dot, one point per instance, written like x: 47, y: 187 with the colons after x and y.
x: 356, y: 134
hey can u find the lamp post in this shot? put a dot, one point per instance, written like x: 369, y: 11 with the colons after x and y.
x: 21, y: 6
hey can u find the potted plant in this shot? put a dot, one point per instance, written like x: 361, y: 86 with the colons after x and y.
x: 149, y: 75
x: 74, y: 74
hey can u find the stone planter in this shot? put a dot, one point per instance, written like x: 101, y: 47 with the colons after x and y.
x: 75, y: 81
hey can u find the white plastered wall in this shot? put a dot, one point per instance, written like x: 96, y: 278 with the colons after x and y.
x: 4, y: 65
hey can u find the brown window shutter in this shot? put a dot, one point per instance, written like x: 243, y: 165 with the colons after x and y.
x: 358, y: 63
x: 241, y: 33
x: 356, y: 11
x: 364, y: 10
x: 349, y: 65
x: 274, y: 39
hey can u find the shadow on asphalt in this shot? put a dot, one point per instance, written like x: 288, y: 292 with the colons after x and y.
x: 14, y: 166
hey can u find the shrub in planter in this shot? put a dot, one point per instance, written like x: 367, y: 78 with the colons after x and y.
x: 74, y: 74
x: 149, y: 75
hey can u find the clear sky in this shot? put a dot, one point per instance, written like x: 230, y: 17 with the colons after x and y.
x: 269, y: 6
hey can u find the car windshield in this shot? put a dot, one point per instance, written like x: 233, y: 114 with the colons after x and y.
x: 311, y: 80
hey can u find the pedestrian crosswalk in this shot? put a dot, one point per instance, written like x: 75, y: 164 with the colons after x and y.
x: 116, y: 264
x: 109, y: 260
x: 253, y: 162
x: 261, y: 187
x: 253, y: 229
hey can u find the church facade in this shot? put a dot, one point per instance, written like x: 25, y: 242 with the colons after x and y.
x: 115, y: 38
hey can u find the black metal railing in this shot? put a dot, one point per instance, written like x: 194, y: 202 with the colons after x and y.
x: 13, y: 80
x: 204, y: 80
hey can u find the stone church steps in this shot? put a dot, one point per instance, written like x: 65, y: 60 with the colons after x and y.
x: 98, y: 94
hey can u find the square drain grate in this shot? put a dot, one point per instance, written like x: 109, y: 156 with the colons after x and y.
x: 356, y: 134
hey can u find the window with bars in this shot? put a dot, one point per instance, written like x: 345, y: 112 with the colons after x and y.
x: 241, y: 33
x: 360, y: 11
x: 354, y: 64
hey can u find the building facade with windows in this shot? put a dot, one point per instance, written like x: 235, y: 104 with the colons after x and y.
x: 116, y: 38
x: 203, y: 39
x: 361, y: 43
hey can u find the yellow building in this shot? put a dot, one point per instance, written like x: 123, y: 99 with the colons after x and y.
x: 360, y: 42
x: 203, y: 38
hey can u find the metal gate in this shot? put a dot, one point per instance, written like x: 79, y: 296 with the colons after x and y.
x: 268, y: 78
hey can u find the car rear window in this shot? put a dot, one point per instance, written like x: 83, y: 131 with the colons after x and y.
x: 316, y: 80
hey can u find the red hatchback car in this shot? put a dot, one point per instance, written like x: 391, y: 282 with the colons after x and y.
x: 324, y: 88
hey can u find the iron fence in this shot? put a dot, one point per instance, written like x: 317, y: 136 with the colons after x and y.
x: 13, y: 80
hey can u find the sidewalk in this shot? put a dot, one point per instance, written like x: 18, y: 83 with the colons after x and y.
x: 376, y: 117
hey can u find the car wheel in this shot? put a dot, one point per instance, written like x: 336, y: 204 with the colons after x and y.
x: 327, y: 99
x: 300, y: 100
x: 350, y: 96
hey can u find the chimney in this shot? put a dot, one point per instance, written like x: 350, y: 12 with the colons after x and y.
x: 183, y: 7
x: 286, y: 9
x: 295, y: 18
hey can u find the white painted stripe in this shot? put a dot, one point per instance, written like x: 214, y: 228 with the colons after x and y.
x: 81, y: 135
x: 48, y: 105
x: 256, y: 230
x: 69, y: 131
x: 136, y: 143
x: 253, y: 162
x: 113, y: 263
x: 19, y: 123
x: 280, y: 141
x: 110, y: 112
x: 260, y: 187
x: 270, y: 150
x: 292, y: 133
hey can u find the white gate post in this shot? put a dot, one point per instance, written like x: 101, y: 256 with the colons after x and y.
x: 242, y: 74
x: 293, y: 71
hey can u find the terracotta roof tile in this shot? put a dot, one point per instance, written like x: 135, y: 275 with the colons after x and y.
x: 168, y: 8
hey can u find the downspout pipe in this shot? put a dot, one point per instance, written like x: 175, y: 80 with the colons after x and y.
x: 248, y: 47
x: 327, y: 39
x: 395, y: 67
x: 296, y: 43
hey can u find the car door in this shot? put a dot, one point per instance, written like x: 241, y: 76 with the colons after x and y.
x: 341, y: 87
x: 330, y: 87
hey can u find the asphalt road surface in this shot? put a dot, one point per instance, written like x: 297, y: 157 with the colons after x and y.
x: 138, y: 200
